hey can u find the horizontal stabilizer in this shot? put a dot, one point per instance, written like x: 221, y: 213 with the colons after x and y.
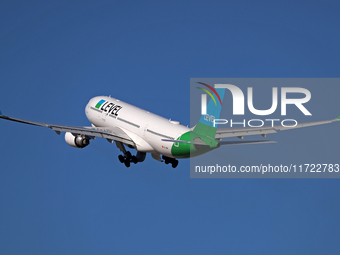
x: 174, y: 141
x: 244, y: 131
x: 181, y: 141
x: 244, y: 142
x: 221, y: 142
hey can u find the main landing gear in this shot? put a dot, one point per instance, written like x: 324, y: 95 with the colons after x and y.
x: 128, y: 158
x: 172, y: 161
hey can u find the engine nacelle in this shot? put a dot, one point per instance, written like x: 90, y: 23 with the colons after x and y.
x: 78, y: 141
x: 140, y: 156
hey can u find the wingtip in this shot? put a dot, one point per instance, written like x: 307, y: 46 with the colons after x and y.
x: 338, y: 118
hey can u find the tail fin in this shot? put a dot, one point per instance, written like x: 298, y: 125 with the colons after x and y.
x: 205, y: 126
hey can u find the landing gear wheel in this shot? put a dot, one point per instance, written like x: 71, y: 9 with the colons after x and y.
x: 175, y: 163
x: 121, y: 158
x: 134, y: 159
x: 127, y: 163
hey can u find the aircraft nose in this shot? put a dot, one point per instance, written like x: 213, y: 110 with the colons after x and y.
x: 94, y: 101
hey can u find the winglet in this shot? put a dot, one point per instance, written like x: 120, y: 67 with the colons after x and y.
x: 0, y: 113
x: 337, y: 117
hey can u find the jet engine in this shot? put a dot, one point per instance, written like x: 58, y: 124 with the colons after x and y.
x: 78, y: 141
x: 140, y: 156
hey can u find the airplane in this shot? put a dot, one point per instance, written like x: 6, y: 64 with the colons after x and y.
x: 166, y: 140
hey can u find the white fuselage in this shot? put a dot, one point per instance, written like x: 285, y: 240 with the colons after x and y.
x: 145, y: 128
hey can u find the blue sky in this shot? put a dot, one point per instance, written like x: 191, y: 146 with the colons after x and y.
x: 55, y: 56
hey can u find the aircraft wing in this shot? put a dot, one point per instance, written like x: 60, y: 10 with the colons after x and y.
x: 110, y: 133
x: 242, y: 131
